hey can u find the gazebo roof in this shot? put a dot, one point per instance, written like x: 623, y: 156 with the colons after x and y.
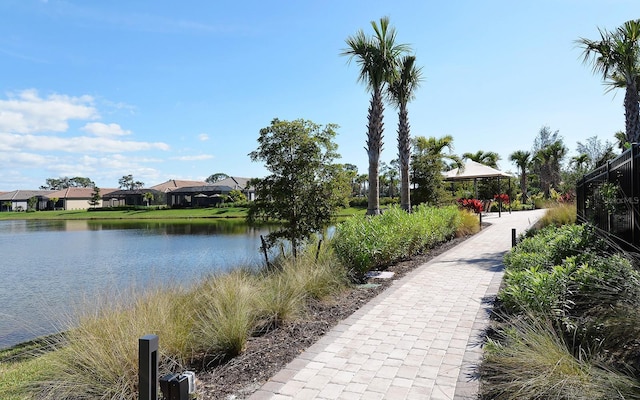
x: 473, y: 170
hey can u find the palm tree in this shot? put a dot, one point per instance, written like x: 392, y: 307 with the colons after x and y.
x: 548, y: 159
x: 621, y: 140
x: 401, y: 92
x: 489, y: 158
x: 377, y: 57
x: 522, y: 159
x: 361, y: 181
x: 581, y: 161
x: 429, y: 160
x: 436, y: 146
x: 617, y: 57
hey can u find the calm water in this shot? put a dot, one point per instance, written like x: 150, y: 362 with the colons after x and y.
x: 46, y: 267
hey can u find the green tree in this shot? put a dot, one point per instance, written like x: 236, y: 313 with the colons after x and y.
x: 362, y: 180
x: 389, y: 178
x: 237, y: 195
x: 66, y: 182
x: 617, y: 57
x: 378, y: 57
x: 148, y: 198
x: 548, y: 152
x: 82, y: 182
x: 522, y: 159
x: 31, y: 203
x: 429, y: 160
x: 352, y: 171
x: 54, y: 201
x: 621, y: 141
x: 217, y: 177
x: 128, y: 183
x: 401, y: 91
x: 7, y: 205
x: 597, y: 153
x: 488, y: 158
x: 300, y: 191
x: 95, y: 197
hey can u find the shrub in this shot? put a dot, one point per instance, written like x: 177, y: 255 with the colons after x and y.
x: 284, y: 290
x: 536, y: 289
x: 561, y: 214
x: 551, y: 245
x: 469, y: 223
x: 503, y: 197
x: 225, y: 314
x: 280, y: 297
x: 363, y: 242
x: 474, y: 205
x: 529, y: 360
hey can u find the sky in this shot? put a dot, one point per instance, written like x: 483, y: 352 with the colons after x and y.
x: 180, y: 90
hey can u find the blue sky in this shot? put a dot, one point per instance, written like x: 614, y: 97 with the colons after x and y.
x: 179, y: 90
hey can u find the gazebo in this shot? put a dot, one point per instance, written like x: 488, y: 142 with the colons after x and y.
x: 473, y: 171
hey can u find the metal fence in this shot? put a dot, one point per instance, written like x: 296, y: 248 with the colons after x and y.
x: 609, y: 196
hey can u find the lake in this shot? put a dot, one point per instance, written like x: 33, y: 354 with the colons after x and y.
x: 48, y: 267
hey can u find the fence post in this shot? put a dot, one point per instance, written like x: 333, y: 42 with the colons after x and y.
x: 148, y: 367
x: 634, y: 195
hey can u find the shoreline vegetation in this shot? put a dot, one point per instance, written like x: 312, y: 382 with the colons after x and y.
x: 227, y: 312
x: 145, y: 213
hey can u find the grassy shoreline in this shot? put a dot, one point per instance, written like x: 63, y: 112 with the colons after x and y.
x: 147, y: 214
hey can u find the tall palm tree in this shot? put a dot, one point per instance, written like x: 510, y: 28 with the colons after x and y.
x: 617, y: 57
x: 377, y: 56
x: 401, y: 92
x: 489, y: 158
x: 522, y: 159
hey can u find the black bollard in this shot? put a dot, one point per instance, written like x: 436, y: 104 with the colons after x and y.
x: 148, y: 367
x: 513, y: 238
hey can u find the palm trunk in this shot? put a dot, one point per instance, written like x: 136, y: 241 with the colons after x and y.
x: 523, y: 186
x: 404, y: 155
x: 632, y: 112
x: 374, y: 147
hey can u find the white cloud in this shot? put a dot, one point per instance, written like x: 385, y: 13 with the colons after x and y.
x: 101, y: 129
x: 80, y: 144
x: 193, y: 158
x: 11, y: 158
x: 29, y: 113
x: 203, y: 137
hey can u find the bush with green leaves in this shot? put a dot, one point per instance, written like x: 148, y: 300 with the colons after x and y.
x: 363, y: 242
x: 565, y: 268
x: 551, y: 245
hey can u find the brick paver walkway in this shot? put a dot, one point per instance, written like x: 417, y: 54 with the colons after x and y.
x: 419, y: 339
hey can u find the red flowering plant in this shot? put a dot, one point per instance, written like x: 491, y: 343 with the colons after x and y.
x: 568, y: 197
x: 474, y: 205
x: 503, y: 197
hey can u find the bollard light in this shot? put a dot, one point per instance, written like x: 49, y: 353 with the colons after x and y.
x: 148, y: 367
